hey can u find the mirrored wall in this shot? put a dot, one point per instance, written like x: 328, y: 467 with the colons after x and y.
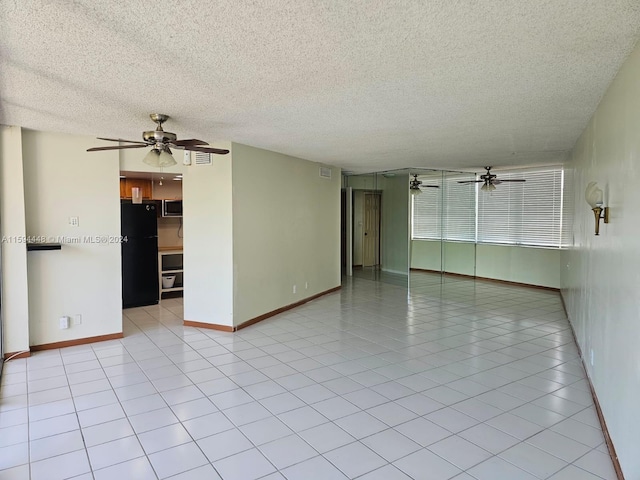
x: 411, y: 227
x: 379, y: 224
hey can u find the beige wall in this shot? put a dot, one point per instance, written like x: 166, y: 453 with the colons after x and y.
x: 394, y: 224
x: 286, y: 230
x: 62, y: 180
x: 529, y: 265
x: 600, y: 275
x: 208, y: 241
x: 15, y: 291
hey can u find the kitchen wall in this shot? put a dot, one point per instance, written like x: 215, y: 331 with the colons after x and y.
x: 62, y: 180
x: 601, y: 274
x: 15, y: 290
x: 286, y: 230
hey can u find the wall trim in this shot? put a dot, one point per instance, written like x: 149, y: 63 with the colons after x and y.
x: 212, y: 326
x: 603, y: 424
x: 78, y: 341
x: 259, y: 318
x: 18, y: 354
x: 504, y: 282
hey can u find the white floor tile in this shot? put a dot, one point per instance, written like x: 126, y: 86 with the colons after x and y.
x: 117, y: 451
x: 341, y: 368
x: 177, y: 460
x: 316, y: 468
x: 287, y: 451
x: 61, y: 467
x: 355, y: 459
x: 139, y: 468
x: 390, y: 445
x: 249, y: 465
x: 424, y: 464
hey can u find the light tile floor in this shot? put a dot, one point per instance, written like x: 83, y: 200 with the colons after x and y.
x: 464, y: 380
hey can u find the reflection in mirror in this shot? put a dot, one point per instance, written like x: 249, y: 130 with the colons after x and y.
x: 443, y: 229
x: 459, y: 226
x: 379, y: 226
x: 426, y: 230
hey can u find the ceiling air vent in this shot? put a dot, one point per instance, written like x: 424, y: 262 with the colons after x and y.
x: 202, y: 158
x: 325, y: 172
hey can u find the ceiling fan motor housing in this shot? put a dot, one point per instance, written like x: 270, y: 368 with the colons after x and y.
x: 158, y: 136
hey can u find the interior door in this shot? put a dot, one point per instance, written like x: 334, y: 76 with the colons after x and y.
x: 371, y: 240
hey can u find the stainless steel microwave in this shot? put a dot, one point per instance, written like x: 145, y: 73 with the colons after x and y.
x: 171, y: 208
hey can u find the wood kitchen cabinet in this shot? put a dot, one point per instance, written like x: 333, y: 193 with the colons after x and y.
x: 126, y: 184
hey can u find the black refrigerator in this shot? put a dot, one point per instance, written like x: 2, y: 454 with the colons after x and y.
x: 139, y: 224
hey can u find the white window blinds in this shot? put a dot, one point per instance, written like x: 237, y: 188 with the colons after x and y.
x: 516, y: 213
x: 523, y: 213
x: 459, y: 222
x: 427, y: 211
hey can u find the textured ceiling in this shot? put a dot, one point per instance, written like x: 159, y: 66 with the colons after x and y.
x: 365, y: 85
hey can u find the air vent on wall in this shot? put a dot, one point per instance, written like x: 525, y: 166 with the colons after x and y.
x: 202, y: 158
x: 325, y: 172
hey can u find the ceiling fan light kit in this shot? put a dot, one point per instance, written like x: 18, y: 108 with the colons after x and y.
x: 159, y: 158
x: 161, y: 143
x: 489, y: 180
x: 414, y: 185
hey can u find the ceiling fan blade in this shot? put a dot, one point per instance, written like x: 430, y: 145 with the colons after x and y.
x: 513, y: 180
x: 431, y: 186
x: 121, y: 140
x: 119, y: 147
x: 219, y: 151
x: 470, y: 181
x: 189, y: 141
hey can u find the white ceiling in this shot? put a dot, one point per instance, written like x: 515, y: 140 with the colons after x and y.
x: 365, y: 85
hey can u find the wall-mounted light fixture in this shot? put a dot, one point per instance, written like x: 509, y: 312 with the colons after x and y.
x: 595, y: 198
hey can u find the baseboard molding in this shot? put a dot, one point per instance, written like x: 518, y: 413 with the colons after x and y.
x: 19, y: 354
x: 212, y: 326
x: 78, y: 341
x: 596, y: 402
x: 503, y: 282
x: 264, y: 316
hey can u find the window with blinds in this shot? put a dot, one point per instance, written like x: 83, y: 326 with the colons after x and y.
x: 426, y: 218
x: 515, y: 213
x: 523, y: 213
x: 459, y: 210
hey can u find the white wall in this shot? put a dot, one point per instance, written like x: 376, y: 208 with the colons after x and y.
x: 601, y: 275
x: 62, y: 180
x: 286, y: 230
x: 208, y: 241
x: 529, y: 265
x: 15, y: 297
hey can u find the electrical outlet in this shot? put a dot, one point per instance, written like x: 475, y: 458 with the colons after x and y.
x: 74, y: 221
x: 64, y: 323
x: 77, y: 319
x: 295, y: 288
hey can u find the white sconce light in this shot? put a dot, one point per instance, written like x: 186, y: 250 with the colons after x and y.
x: 595, y: 198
